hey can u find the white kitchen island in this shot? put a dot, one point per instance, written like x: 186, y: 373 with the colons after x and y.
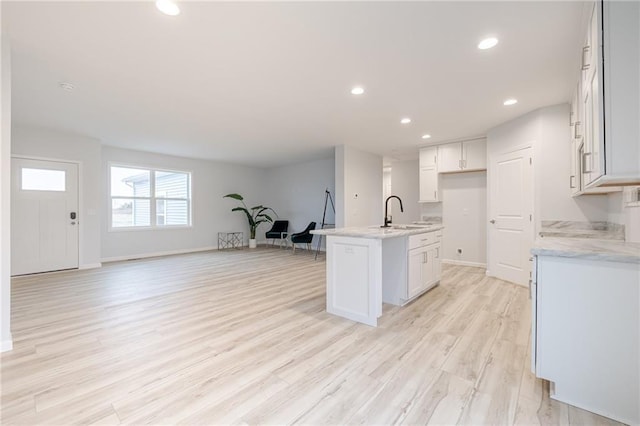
x: 369, y: 266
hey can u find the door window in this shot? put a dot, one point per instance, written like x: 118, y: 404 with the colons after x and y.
x: 43, y: 180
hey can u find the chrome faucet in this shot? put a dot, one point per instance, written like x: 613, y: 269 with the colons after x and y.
x: 386, y: 207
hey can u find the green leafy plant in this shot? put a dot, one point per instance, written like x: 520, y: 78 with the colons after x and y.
x: 255, y: 215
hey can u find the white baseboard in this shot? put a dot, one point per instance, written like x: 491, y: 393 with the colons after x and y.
x: 157, y: 254
x: 6, y: 345
x: 464, y: 263
x: 90, y: 265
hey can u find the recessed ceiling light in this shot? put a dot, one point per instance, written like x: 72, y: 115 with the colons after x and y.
x: 66, y: 86
x: 168, y: 7
x: 405, y: 121
x: 487, y: 43
x: 426, y: 136
x: 509, y: 102
x: 357, y: 90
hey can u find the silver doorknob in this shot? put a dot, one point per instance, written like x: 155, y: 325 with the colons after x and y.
x: 492, y: 221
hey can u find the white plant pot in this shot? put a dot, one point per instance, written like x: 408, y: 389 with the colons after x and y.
x: 252, y: 243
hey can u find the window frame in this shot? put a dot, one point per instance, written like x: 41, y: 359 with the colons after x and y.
x: 153, y: 226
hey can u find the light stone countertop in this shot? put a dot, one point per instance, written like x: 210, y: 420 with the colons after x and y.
x: 568, y: 229
x: 378, y: 233
x: 588, y: 248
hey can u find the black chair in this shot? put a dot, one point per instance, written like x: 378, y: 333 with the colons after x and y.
x: 304, y: 237
x: 278, y: 231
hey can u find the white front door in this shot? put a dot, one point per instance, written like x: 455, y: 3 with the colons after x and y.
x: 511, y: 216
x: 44, y: 216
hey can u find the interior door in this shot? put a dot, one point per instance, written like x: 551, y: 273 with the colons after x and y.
x: 44, y: 216
x: 511, y: 216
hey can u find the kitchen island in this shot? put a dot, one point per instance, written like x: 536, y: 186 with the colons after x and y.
x: 369, y: 266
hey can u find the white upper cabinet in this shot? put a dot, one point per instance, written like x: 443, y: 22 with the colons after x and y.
x: 474, y: 155
x: 464, y: 156
x: 429, y: 185
x: 429, y: 175
x: 429, y: 156
x: 450, y: 156
x: 609, y: 95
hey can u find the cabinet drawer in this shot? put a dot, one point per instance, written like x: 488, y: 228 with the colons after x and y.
x: 423, y: 239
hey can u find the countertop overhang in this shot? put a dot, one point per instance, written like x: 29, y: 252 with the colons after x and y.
x: 378, y: 233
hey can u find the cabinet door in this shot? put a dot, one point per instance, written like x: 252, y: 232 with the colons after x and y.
x: 577, y: 119
x: 436, y: 265
x: 428, y: 276
x: 474, y: 155
x: 589, y: 49
x: 574, y: 179
x: 428, y: 156
x: 416, y: 261
x: 428, y: 185
x: 450, y: 157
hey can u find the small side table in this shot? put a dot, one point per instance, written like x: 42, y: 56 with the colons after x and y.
x: 230, y: 240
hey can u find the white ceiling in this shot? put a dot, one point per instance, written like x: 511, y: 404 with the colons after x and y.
x: 269, y: 83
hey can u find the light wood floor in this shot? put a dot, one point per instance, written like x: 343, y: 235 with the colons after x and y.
x: 242, y: 337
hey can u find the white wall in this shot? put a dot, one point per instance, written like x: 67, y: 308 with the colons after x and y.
x: 405, y: 183
x: 358, y: 187
x: 210, y: 212
x: 464, y: 207
x: 547, y: 130
x: 6, y: 342
x: 297, y: 193
x: 56, y: 145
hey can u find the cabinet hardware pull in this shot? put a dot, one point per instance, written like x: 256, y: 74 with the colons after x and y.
x: 459, y: 164
x: 584, y: 163
x: 585, y: 49
x: 435, y: 195
x: 529, y: 289
x: 571, y: 184
x: 576, y: 126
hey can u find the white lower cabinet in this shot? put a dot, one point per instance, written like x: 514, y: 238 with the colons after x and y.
x: 586, y: 333
x: 423, y: 266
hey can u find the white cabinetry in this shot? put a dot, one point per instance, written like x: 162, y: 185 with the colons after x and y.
x: 429, y: 175
x: 453, y: 157
x: 464, y: 156
x: 429, y: 157
x: 585, y: 333
x: 450, y: 156
x: 428, y: 185
x: 423, y: 264
x: 609, y: 101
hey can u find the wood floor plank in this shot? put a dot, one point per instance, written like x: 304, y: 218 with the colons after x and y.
x: 242, y: 337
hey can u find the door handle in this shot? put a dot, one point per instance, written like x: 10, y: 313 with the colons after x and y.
x: 586, y: 169
x: 492, y: 221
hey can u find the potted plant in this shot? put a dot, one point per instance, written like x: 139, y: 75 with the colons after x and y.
x: 255, y: 216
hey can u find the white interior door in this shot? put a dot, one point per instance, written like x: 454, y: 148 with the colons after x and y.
x: 44, y: 216
x: 511, y: 216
